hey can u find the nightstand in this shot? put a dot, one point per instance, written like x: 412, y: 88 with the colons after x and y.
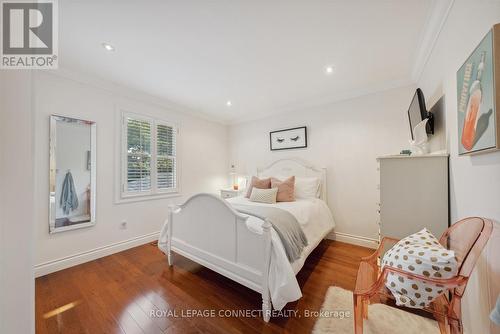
x: 230, y: 193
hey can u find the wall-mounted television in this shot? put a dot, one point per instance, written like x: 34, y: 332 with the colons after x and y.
x: 417, y: 112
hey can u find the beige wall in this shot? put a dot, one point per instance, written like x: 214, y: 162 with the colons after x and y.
x: 202, y: 163
x: 345, y: 137
x: 17, y: 286
x: 475, y: 180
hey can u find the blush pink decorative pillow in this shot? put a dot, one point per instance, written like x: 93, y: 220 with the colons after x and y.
x: 259, y: 184
x: 286, y: 189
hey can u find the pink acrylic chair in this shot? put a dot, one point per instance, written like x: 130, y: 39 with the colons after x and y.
x: 466, y: 238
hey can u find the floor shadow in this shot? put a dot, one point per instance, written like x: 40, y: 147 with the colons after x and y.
x: 303, y: 276
x: 312, y: 260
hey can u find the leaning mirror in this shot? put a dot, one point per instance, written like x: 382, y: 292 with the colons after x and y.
x: 72, y: 173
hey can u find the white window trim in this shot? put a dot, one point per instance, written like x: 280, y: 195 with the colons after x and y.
x: 125, y: 196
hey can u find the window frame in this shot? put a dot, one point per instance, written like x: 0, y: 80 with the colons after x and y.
x: 154, y: 192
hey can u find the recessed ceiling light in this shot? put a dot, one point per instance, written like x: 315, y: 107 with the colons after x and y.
x: 229, y: 103
x: 330, y: 69
x: 108, y: 47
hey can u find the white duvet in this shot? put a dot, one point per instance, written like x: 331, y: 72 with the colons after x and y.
x: 316, y: 221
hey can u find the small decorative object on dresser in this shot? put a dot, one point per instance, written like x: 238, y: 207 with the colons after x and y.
x: 478, y: 97
x: 288, y: 138
x: 230, y: 193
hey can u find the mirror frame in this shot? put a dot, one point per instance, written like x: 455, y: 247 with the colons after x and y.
x: 53, y: 168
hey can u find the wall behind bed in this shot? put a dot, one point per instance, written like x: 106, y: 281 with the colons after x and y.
x: 346, y: 138
x: 203, y: 161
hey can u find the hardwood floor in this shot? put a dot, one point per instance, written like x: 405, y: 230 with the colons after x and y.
x: 117, y: 294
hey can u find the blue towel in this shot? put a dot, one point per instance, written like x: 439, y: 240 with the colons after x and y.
x: 495, y: 314
x: 69, y: 198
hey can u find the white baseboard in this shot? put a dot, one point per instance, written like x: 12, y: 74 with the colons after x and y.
x: 79, y: 258
x: 353, y: 239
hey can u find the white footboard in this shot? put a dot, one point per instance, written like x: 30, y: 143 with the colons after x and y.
x: 207, y: 230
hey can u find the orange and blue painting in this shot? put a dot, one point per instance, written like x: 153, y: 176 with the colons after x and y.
x: 477, y: 123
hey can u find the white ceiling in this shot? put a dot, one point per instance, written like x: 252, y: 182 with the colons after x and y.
x: 265, y: 56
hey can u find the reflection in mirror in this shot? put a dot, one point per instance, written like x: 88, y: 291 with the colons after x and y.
x: 72, y: 173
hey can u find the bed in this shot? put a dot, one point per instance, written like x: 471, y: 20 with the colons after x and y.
x: 209, y: 231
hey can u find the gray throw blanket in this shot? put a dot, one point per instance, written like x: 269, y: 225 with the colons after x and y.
x: 284, y: 223
x: 69, y: 198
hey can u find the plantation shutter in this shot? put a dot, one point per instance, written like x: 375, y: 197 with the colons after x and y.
x: 138, y: 155
x: 166, y: 166
x: 149, y: 158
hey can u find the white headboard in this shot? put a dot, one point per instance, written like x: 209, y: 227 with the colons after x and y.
x: 297, y: 167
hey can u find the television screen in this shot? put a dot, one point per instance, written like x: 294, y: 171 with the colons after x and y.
x: 417, y: 111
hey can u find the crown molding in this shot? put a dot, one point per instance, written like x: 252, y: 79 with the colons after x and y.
x: 434, y: 23
x: 436, y: 18
x: 129, y: 93
x: 433, y: 26
x: 325, y: 100
x: 139, y: 96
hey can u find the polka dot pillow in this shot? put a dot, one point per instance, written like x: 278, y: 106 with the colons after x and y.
x: 421, y: 254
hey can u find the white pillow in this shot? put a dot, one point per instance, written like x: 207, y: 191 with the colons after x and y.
x: 264, y: 195
x: 307, y: 187
x: 421, y: 254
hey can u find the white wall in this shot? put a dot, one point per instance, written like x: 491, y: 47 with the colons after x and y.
x: 203, y: 161
x: 475, y: 180
x: 346, y: 138
x: 17, y: 296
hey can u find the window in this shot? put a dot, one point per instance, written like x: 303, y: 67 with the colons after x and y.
x: 149, y: 159
x: 138, y: 155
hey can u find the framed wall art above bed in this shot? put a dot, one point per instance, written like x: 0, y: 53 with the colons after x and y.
x: 288, y: 139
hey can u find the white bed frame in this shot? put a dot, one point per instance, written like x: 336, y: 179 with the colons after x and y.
x: 207, y: 230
